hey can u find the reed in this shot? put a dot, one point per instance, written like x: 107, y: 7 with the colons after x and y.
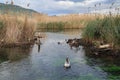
x: 16, y: 28
x: 73, y: 21
x: 52, y: 25
x: 106, y: 30
x: 1, y: 29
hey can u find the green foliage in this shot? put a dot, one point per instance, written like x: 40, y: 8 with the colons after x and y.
x: 1, y: 25
x: 1, y: 29
x: 112, y: 77
x: 112, y: 68
x: 91, y: 32
x: 106, y: 30
x: 52, y: 25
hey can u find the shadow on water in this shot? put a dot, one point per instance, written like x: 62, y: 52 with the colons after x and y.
x: 3, y: 55
x: 64, y: 31
x: 13, y: 54
x: 38, y: 48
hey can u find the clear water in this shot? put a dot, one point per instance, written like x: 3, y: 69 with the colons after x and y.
x: 46, y: 61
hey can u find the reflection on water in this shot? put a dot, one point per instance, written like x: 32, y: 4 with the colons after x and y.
x: 38, y: 48
x: 3, y: 55
x: 13, y: 54
x: 70, y: 32
x: 45, y: 61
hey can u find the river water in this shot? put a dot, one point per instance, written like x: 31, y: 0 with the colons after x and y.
x: 45, y: 62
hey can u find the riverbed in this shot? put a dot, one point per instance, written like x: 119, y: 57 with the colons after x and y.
x: 45, y: 62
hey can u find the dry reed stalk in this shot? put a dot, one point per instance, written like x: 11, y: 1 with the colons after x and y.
x: 14, y: 26
x: 71, y: 21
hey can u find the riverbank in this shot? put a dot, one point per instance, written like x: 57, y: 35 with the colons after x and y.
x: 17, y: 44
x: 101, y: 50
x: 104, y: 31
x: 16, y: 30
x: 21, y: 28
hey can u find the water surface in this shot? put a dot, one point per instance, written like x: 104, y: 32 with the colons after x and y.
x: 45, y: 62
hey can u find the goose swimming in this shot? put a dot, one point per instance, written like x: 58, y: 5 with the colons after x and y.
x: 67, y: 63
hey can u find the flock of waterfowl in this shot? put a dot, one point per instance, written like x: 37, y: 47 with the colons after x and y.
x: 72, y: 43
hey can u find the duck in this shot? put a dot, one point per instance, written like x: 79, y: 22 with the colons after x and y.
x: 38, y: 41
x: 67, y: 63
x: 58, y: 42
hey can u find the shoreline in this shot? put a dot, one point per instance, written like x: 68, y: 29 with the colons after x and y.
x: 17, y: 44
x: 94, y: 50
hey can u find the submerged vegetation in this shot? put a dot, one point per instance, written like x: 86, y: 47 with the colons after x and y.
x: 104, y: 31
x: 112, y: 68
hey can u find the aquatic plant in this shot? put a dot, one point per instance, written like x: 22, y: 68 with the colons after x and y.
x: 1, y: 24
x: 112, y: 68
x: 52, y: 25
x: 113, y: 77
x: 106, y: 30
x: 72, y: 21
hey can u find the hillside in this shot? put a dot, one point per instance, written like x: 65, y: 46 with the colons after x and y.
x: 14, y: 9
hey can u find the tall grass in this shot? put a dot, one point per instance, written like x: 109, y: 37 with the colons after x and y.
x: 16, y: 28
x: 106, y: 30
x: 65, y: 22
x: 52, y: 25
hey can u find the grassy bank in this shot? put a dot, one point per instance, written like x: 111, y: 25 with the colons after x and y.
x: 104, y: 31
x: 14, y: 29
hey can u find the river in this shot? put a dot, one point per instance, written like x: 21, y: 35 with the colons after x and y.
x: 45, y: 62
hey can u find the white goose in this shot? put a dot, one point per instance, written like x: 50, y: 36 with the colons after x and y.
x: 67, y: 63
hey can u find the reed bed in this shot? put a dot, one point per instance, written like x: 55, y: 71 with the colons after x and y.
x: 72, y: 21
x: 104, y: 31
x: 21, y: 28
x: 15, y: 29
